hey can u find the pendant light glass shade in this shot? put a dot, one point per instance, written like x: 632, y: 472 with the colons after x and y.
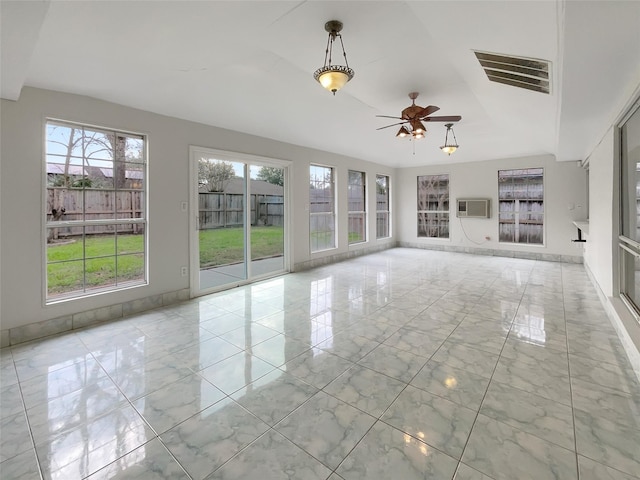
x: 333, y: 77
x: 449, y: 149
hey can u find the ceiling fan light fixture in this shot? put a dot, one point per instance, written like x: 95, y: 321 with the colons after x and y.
x: 418, y: 127
x: 449, y: 148
x: 403, y: 132
x: 333, y: 77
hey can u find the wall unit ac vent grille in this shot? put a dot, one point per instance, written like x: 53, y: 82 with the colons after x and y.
x: 473, y: 208
x: 528, y: 73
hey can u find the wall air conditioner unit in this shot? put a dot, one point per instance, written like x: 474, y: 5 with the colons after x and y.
x: 474, y: 207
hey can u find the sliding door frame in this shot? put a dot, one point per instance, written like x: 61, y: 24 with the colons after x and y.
x: 195, y: 152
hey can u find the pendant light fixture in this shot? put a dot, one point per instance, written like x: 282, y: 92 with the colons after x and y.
x: 449, y: 148
x: 333, y: 77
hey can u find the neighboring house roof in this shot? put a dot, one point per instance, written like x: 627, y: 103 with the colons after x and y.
x: 58, y: 169
x: 259, y: 187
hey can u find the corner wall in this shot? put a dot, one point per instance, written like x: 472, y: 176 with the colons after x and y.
x: 565, y: 197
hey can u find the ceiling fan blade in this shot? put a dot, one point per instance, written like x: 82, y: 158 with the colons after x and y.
x: 426, y: 111
x: 387, y: 116
x: 450, y: 118
x: 392, y: 125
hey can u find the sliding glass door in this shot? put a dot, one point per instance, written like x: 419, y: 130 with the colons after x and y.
x: 239, y: 223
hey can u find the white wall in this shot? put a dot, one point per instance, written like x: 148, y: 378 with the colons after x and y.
x: 598, y: 254
x: 565, y: 193
x: 21, y: 157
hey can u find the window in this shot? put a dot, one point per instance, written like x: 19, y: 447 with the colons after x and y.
x: 629, y: 249
x: 95, y: 210
x: 322, y: 214
x: 357, y: 207
x: 433, y: 206
x: 382, y: 206
x: 521, y: 197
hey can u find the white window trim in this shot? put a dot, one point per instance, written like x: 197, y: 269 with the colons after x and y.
x: 544, y: 213
x: 334, y: 182
x: 447, y: 212
x: 388, y: 212
x: 46, y: 301
x: 364, y: 212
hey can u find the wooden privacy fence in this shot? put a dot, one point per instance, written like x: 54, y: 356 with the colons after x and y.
x: 216, y: 210
x: 95, y: 204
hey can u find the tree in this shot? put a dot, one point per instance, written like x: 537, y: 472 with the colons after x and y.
x: 215, y: 175
x: 272, y: 175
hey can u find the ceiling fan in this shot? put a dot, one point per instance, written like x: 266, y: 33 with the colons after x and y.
x: 413, y: 116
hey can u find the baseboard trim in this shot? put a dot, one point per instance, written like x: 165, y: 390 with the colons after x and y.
x: 619, y: 316
x: 547, y: 257
x: 88, y: 318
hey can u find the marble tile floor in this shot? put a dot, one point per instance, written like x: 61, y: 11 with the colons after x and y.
x: 405, y: 364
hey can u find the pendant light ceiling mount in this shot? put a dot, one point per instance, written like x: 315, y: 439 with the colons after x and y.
x: 333, y: 77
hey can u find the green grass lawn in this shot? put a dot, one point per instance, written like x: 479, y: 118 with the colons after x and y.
x: 68, y: 272
x: 222, y: 246
x: 93, y: 263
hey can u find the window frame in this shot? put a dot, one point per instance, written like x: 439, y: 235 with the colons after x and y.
x: 138, y: 219
x: 627, y: 256
x: 386, y: 214
x: 331, y: 215
x: 357, y: 214
x: 518, y: 212
x: 442, y: 215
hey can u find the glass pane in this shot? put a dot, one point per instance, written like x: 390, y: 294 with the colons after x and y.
x: 98, y: 176
x: 65, y: 277
x: 100, y: 245
x: 130, y: 268
x: 267, y: 219
x: 134, y: 150
x: 321, y: 195
x: 129, y: 204
x: 356, y: 227
x: 98, y: 145
x: 100, y: 272
x: 99, y: 205
x: 130, y: 238
x: 321, y: 199
x: 64, y: 140
x: 382, y: 225
x: 433, y: 192
x: 507, y: 227
x: 322, y: 231
x: 221, y: 222
x: 630, y: 176
x: 630, y: 272
x: 529, y: 229
x: 129, y: 176
x: 443, y: 225
x: 63, y: 204
x: 63, y: 171
x: 64, y: 248
x: 382, y: 192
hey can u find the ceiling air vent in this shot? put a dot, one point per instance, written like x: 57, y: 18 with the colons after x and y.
x: 529, y: 73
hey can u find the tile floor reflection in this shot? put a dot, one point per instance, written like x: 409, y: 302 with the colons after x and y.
x: 406, y: 364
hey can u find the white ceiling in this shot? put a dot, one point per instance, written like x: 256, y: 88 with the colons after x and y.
x: 248, y: 66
